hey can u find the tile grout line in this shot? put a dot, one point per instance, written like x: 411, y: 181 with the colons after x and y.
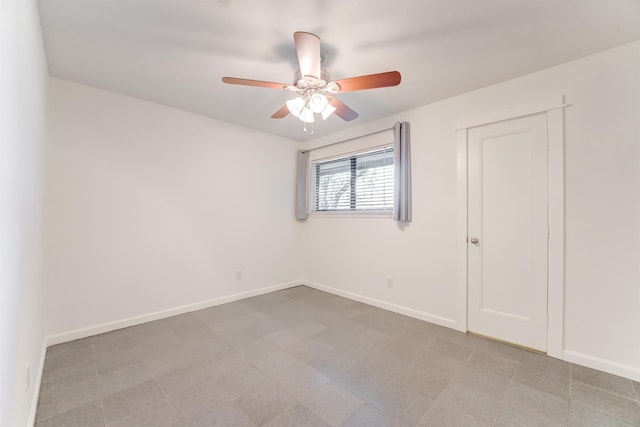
x: 155, y: 380
x: 451, y: 381
x: 634, y: 394
x: 570, y: 390
x: 613, y: 393
x: 504, y: 396
x: 615, y: 417
x: 95, y: 365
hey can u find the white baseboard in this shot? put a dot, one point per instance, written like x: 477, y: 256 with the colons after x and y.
x: 36, y: 385
x: 417, y: 314
x: 609, y: 366
x: 136, y: 320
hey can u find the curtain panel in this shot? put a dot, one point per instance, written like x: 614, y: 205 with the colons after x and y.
x: 402, y: 182
x: 302, y: 186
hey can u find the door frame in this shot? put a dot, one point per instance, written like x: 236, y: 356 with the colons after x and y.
x: 553, y: 108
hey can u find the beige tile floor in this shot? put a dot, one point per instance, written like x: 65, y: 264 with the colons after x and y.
x: 301, y: 357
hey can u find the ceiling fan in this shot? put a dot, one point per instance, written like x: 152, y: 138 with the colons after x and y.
x: 316, y: 92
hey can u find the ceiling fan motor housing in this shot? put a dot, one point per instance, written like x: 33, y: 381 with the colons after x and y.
x: 308, y: 85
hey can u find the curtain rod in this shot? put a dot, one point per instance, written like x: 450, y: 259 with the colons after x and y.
x: 349, y: 139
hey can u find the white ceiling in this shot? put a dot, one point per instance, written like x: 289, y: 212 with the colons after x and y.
x: 175, y: 52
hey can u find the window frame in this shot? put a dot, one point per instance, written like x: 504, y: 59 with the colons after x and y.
x: 352, y: 212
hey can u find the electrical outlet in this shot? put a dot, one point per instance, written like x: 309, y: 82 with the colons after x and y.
x: 389, y: 282
x: 27, y: 378
x: 239, y: 275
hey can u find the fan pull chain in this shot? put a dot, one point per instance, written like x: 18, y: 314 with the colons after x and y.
x: 304, y: 128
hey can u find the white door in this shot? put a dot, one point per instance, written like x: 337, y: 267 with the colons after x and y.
x: 507, y: 244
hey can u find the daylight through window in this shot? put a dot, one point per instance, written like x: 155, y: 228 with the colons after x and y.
x: 359, y: 182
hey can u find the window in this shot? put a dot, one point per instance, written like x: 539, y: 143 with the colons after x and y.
x: 358, y: 182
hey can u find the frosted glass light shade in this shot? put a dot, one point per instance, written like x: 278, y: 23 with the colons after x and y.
x: 295, y: 106
x: 328, y: 110
x: 318, y: 102
x: 306, y: 115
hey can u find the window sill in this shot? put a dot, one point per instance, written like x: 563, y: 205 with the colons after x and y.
x: 350, y: 214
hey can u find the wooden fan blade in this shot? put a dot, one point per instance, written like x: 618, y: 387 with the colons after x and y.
x: 342, y: 111
x: 281, y: 113
x: 371, y: 81
x: 248, y: 82
x: 308, y: 50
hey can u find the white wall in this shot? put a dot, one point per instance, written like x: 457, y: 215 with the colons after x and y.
x: 602, y: 209
x: 23, y: 77
x: 151, y: 208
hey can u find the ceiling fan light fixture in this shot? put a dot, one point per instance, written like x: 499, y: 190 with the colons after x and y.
x: 314, y: 90
x: 306, y: 115
x: 295, y: 106
x: 318, y: 102
x: 328, y: 110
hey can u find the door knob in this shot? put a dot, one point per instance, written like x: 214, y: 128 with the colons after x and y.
x: 474, y: 240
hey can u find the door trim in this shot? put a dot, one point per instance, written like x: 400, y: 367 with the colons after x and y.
x: 554, y: 110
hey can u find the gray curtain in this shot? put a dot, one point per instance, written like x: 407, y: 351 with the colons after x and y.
x: 402, y: 181
x: 302, y: 186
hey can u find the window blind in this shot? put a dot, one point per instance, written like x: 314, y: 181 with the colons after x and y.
x: 358, y: 182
